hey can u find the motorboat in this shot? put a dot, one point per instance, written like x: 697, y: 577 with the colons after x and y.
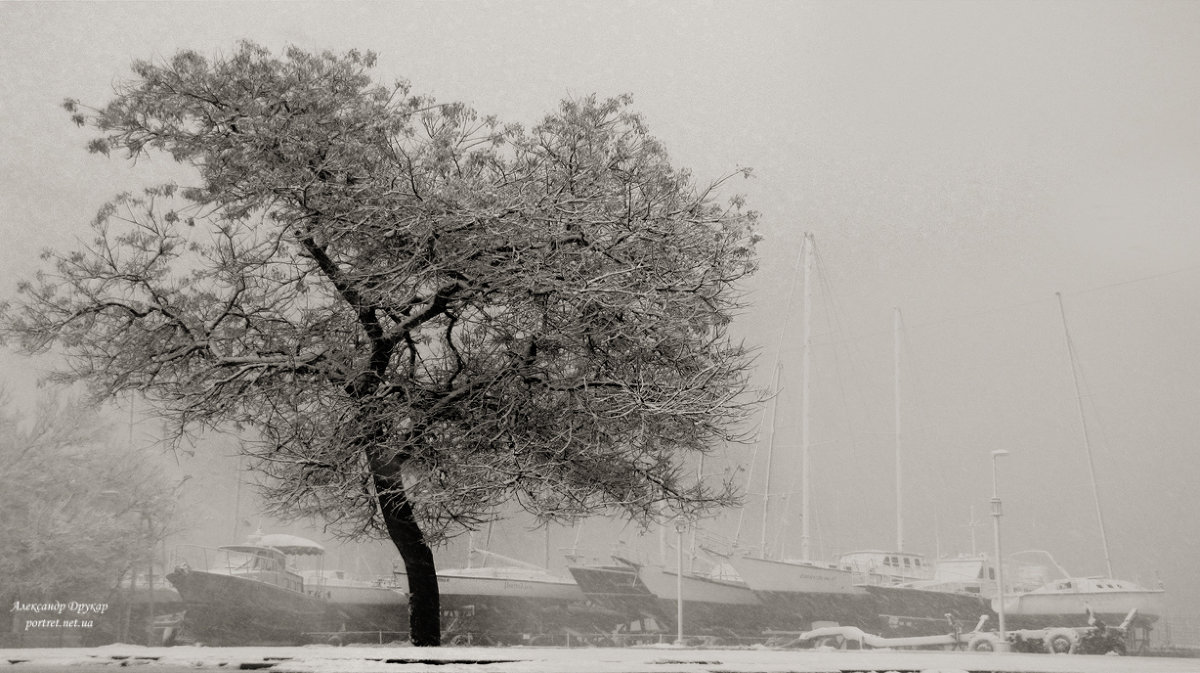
x: 247, y: 593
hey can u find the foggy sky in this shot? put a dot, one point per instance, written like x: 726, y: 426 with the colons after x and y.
x: 960, y: 161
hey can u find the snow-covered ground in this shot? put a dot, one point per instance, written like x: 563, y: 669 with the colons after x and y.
x: 404, y: 659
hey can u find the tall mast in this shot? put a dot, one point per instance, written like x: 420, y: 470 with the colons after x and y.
x: 899, y: 470
x: 766, y: 511
x: 805, y: 483
x: 774, y: 408
x: 1086, y: 442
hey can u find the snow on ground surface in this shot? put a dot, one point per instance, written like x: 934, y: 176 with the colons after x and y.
x: 406, y: 659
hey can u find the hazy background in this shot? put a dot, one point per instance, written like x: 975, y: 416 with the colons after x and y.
x: 960, y: 161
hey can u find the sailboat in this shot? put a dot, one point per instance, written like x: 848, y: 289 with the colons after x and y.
x: 617, y: 588
x: 1066, y: 600
x: 502, y: 579
x: 501, y: 600
x: 1046, y: 595
x: 873, y: 589
x: 360, y: 609
x: 713, y: 603
x: 649, y: 596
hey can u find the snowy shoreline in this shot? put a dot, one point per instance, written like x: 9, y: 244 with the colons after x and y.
x: 370, y: 659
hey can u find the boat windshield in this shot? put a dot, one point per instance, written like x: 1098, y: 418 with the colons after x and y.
x: 231, y: 560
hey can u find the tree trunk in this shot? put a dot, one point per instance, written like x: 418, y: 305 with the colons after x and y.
x: 424, y: 611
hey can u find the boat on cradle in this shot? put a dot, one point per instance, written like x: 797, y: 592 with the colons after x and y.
x: 1066, y: 603
x: 966, y: 573
x: 801, y: 594
x: 954, y: 597
x: 360, y: 609
x: 497, y: 584
x: 616, y: 588
x: 511, y: 602
x: 716, y: 603
x: 243, y: 594
x: 1046, y: 595
x: 131, y: 606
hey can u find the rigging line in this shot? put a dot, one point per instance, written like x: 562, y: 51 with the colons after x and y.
x: 775, y: 391
x: 837, y: 323
x: 899, y: 434
x: 779, y: 543
x: 1134, y: 281
x: 1097, y: 288
x: 916, y: 390
x: 834, y: 316
x: 1083, y: 424
x: 963, y: 316
x: 853, y: 357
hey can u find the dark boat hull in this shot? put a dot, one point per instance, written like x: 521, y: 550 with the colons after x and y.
x: 617, y: 588
x: 227, y: 609
x: 801, y: 611
x: 711, y: 607
x: 906, y: 611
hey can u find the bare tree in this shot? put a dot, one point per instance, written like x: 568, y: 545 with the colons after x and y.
x: 65, y: 485
x: 424, y: 314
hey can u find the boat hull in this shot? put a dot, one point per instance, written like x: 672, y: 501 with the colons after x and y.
x: 798, y: 595
x: 365, y: 608
x: 617, y: 588
x: 802, y: 595
x: 228, y: 609
x: 454, y: 587
x: 505, y: 605
x: 907, y: 611
x: 770, y: 576
x: 1034, y: 610
x: 710, y: 606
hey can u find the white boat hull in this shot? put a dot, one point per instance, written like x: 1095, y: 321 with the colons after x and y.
x: 458, y: 583
x: 769, y: 576
x: 1109, y: 606
x: 664, y: 584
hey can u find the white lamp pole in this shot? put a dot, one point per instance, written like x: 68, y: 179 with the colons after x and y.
x: 1002, y: 646
x: 680, y: 527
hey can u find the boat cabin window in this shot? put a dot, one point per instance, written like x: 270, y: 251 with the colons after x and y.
x: 991, y: 573
x: 907, y: 562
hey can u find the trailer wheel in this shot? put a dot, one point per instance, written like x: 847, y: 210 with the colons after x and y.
x: 982, y: 644
x: 1060, y: 643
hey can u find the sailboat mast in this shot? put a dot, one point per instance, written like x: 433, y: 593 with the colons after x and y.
x: 766, y: 512
x: 1087, y: 445
x: 899, y: 470
x: 237, y: 500
x: 805, y: 483
x: 774, y: 414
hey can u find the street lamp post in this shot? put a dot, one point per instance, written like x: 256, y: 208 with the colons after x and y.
x: 150, y: 640
x: 1001, y: 646
x: 680, y: 526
